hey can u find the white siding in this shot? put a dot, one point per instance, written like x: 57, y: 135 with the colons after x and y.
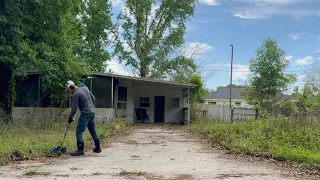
x: 243, y: 103
x: 171, y: 114
x: 135, y: 91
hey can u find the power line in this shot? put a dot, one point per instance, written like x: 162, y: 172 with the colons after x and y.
x: 251, y: 71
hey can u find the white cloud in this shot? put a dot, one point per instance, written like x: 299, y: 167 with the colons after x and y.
x: 262, y: 9
x: 304, y: 61
x: 240, y: 72
x: 209, y: 2
x: 249, y: 15
x: 116, y: 3
x: 279, y: 2
x: 295, y: 36
x: 118, y: 68
x: 288, y: 57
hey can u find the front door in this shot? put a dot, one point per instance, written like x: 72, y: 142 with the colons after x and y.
x: 158, y: 109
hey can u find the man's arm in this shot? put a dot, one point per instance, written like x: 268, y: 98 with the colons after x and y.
x: 92, y: 96
x: 74, y: 106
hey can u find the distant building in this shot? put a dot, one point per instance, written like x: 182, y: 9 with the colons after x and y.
x: 222, y: 97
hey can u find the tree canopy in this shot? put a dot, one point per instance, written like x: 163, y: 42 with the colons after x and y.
x: 151, y: 31
x: 268, y: 78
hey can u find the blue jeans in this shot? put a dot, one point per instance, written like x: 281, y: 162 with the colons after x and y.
x: 86, y: 120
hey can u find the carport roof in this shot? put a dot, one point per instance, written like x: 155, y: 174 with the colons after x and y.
x: 142, y: 79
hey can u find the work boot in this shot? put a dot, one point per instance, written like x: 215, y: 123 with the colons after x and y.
x: 97, y: 149
x: 80, y: 150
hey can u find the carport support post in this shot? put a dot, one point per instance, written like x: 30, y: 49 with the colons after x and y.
x: 112, y: 105
x: 188, y: 121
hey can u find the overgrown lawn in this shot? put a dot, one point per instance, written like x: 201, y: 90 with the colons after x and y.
x: 282, y: 139
x: 32, y: 139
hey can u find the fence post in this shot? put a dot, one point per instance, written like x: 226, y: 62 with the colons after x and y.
x: 231, y: 115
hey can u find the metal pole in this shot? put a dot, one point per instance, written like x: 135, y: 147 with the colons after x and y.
x: 231, y: 82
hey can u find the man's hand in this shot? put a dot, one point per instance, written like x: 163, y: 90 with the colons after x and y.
x: 70, y: 120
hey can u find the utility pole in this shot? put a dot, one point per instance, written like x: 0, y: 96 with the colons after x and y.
x: 230, y: 106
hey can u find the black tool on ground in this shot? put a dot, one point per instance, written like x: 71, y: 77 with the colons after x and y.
x: 59, y: 150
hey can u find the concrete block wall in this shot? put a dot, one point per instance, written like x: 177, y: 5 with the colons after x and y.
x: 23, y: 113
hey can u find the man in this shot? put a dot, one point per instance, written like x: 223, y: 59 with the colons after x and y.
x: 83, y: 98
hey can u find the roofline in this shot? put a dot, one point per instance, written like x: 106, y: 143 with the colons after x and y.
x: 142, y: 79
x: 127, y: 77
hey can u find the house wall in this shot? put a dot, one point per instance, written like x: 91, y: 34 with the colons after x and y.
x: 128, y: 113
x: 226, y: 102
x: 172, y: 114
x: 24, y: 113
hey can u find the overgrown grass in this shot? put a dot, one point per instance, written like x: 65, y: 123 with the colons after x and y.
x: 282, y: 139
x: 36, y: 138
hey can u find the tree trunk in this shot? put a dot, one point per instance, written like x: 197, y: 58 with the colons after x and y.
x: 7, y: 92
x: 143, y: 69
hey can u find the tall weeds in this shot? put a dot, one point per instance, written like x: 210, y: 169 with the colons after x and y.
x: 36, y: 138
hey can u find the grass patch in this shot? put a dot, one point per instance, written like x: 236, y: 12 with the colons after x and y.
x: 33, y: 139
x: 282, y: 139
x: 131, y: 173
x: 36, y: 173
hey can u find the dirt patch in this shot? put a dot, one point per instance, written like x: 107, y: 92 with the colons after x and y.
x: 62, y: 175
x: 129, y: 142
x: 16, y: 156
x: 238, y: 175
x: 97, y: 174
x: 183, y: 177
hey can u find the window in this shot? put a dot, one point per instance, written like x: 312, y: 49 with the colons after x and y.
x: 144, y: 102
x: 238, y: 103
x: 122, y: 97
x: 175, y: 102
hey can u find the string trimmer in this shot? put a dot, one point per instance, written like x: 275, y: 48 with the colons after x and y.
x: 59, y: 150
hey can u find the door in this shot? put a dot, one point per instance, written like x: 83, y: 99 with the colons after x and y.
x: 158, y: 109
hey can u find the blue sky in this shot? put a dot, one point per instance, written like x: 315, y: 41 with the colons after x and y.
x: 246, y: 23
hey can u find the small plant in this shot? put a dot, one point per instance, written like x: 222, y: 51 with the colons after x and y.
x: 131, y: 173
x: 36, y: 173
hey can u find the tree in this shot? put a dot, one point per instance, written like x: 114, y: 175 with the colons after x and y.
x: 96, y: 30
x: 185, y: 68
x: 42, y: 36
x: 233, y: 85
x: 267, y: 78
x: 151, y: 34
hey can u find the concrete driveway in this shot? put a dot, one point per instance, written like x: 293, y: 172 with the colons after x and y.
x: 151, y: 152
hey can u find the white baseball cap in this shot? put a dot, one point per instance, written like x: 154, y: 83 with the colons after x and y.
x: 69, y: 83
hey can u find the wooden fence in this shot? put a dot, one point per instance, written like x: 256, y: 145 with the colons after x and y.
x: 223, y: 113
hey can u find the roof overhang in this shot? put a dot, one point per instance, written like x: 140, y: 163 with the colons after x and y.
x: 141, y: 79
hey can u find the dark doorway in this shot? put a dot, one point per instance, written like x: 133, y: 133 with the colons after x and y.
x: 158, y: 109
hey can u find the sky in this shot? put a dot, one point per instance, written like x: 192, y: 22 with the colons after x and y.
x: 217, y: 24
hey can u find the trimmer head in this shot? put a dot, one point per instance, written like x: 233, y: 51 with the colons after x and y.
x: 59, y: 150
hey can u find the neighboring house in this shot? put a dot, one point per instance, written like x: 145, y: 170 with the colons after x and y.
x: 222, y: 97
x: 116, y: 96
